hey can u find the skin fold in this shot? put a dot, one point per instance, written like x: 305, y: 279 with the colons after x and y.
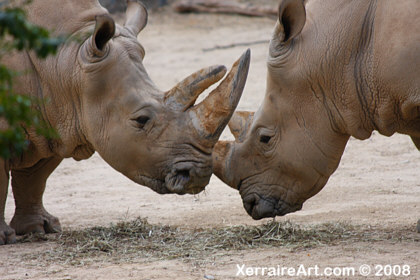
x: 336, y: 69
x: 96, y: 94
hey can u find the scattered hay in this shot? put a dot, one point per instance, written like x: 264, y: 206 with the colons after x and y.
x: 124, y: 242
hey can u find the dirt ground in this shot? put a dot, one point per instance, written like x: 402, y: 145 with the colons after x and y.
x: 375, y: 185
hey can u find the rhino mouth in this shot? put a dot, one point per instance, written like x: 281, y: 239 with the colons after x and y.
x: 177, y: 181
x: 184, y: 179
x: 178, y: 184
x: 157, y: 185
x: 259, y: 207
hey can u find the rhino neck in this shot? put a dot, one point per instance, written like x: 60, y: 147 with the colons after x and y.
x: 379, y: 103
x: 368, y: 97
x: 386, y: 69
x: 53, y: 83
x: 356, y: 103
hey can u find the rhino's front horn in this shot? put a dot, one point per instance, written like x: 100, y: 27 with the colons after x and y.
x: 212, y: 115
x: 185, y: 93
x: 136, y: 16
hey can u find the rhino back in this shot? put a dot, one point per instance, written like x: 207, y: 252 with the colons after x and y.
x: 64, y: 16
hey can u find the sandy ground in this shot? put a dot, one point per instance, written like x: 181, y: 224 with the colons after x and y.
x: 376, y: 183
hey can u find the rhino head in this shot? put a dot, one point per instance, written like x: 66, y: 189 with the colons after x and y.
x: 285, y: 152
x: 159, y: 139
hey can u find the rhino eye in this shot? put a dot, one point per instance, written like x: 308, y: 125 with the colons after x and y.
x: 142, y: 121
x: 265, y: 139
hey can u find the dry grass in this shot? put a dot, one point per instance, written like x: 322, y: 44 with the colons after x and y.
x: 127, y: 241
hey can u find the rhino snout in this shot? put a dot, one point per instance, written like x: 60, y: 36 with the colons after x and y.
x: 186, y: 178
x: 259, y: 207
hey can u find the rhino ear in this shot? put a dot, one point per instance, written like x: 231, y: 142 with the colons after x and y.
x: 292, y: 17
x: 136, y: 16
x: 104, y: 31
x: 240, y: 123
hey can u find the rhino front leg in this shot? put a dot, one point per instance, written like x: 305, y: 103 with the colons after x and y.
x: 28, y: 186
x: 7, y: 234
x: 416, y: 142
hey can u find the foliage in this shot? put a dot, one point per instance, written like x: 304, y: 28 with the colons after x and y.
x: 16, y: 114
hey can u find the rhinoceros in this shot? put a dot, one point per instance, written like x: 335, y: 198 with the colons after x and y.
x: 336, y: 68
x: 97, y: 96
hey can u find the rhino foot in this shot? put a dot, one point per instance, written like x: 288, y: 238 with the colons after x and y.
x: 7, y: 234
x: 39, y: 221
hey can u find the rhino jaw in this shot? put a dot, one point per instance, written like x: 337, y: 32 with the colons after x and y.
x: 259, y: 207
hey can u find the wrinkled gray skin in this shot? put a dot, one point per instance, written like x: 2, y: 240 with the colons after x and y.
x: 336, y: 68
x: 97, y: 95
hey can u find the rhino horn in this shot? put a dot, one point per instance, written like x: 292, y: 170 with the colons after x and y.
x: 222, y: 155
x: 240, y: 123
x: 212, y: 115
x: 185, y: 93
x: 136, y: 15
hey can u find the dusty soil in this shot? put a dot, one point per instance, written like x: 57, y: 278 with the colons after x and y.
x: 376, y: 184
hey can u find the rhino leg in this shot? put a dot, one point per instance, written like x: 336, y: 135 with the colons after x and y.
x: 7, y: 234
x: 28, y: 186
x: 416, y: 142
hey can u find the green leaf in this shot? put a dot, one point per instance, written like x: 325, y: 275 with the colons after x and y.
x: 18, y: 111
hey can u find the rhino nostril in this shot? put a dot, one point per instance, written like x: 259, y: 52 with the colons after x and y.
x: 184, y: 173
x: 182, y: 177
x: 249, y: 203
x: 178, y: 180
